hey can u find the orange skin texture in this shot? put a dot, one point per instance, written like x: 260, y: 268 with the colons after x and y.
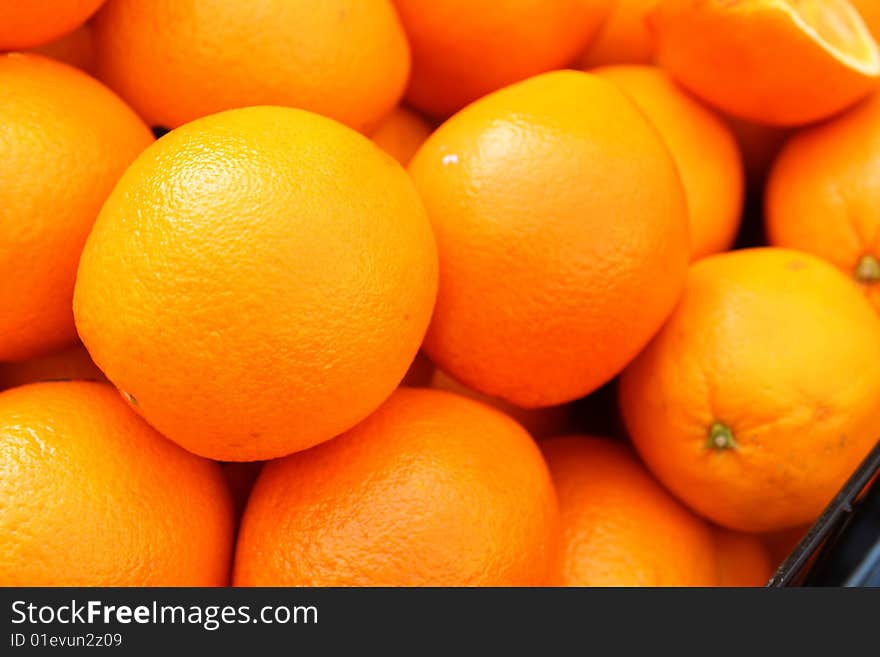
x: 785, y: 351
x: 178, y: 60
x: 92, y: 496
x: 465, y: 49
x: 433, y: 489
x: 730, y: 65
x: 781, y: 544
x: 704, y: 150
x: 624, y: 37
x: 743, y: 559
x: 619, y: 526
x: 823, y: 194
x: 539, y: 422
x: 59, y: 164
x: 76, y: 49
x: 29, y: 23
x: 71, y: 363
x: 554, y: 270
x: 401, y: 133
x: 259, y: 281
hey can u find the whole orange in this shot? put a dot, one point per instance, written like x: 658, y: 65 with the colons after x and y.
x: 781, y: 62
x: 178, y: 60
x: 758, y: 397
x: 464, y: 49
x: 28, y: 23
x: 65, y: 140
x: 703, y: 147
x: 624, y: 37
x: 401, y: 133
x: 554, y: 273
x: 258, y: 282
x: 823, y: 195
x: 92, y: 496
x: 743, y: 559
x: 619, y: 527
x: 432, y: 489
x: 70, y: 363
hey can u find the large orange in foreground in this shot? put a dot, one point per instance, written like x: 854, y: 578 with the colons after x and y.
x: 619, y: 526
x: 464, y: 49
x: 782, y: 62
x: 178, y: 60
x: 432, y: 489
x: 823, y: 195
x: 560, y: 252
x: 90, y: 495
x: 758, y: 398
x: 28, y: 23
x: 258, y: 282
x: 65, y: 139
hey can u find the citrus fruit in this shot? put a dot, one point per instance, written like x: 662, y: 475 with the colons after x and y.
x: 823, y: 195
x: 743, y: 559
x: 870, y: 13
x: 92, y: 496
x: 401, y: 133
x: 614, y: 515
x: 539, y: 422
x: 65, y: 140
x: 432, y: 489
x: 624, y: 37
x: 178, y: 60
x: 72, y: 363
x: 553, y: 273
x: 258, y: 282
x: 463, y: 50
x: 703, y: 148
x: 782, y: 62
x: 76, y: 48
x: 758, y: 397
x: 28, y: 23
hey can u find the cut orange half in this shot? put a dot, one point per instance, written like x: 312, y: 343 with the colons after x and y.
x: 781, y: 62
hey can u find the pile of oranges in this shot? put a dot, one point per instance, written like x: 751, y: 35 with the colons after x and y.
x: 432, y: 292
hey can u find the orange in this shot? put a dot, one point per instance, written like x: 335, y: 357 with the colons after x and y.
x: 619, y: 527
x: 870, y: 13
x: 70, y: 363
x: 76, y: 48
x: 823, y: 195
x: 464, y: 49
x: 743, y: 560
x: 259, y: 281
x: 28, y: 23
x: 92, y: 496
x: 539, y: 422
x: 782, y: 62
x: 401, y: 133
x: 65, y: 140
x: 624, y: 37
x: 553, y: 272
x: 432, y: 489
x: 703, y: 148
x: 178, y: 60
x: 781, y: 544
x: 758, y: 397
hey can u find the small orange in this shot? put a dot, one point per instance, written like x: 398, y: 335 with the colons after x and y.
x: 743, y: 559
x: 65, y: 140
x: 178, y: 60
x: 432, y: 489
x: 259, y: 281
x: 553, y: 272
x: 539, y: 422
x: 29, y: 23
x: 782, y: 62
x: 71, y: 363
x: 401, y: 133
x: 90, y: 495
x: 464, y: 49
x: 624, y: 37
x: 75, y: 48
x: 758, y: 397
x: 823, y: 195
x: 619, y: 527
x: 703, y: 148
